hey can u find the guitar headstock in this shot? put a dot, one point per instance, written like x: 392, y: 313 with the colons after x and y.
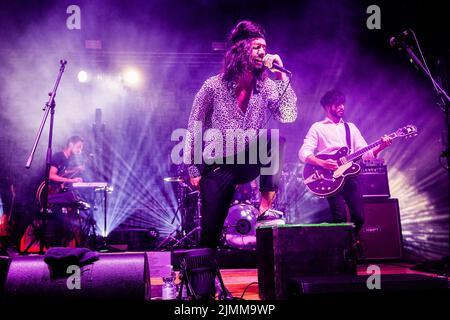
x: 407, y: 131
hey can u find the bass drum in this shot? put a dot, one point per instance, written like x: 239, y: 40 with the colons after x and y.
x: 240, y: 226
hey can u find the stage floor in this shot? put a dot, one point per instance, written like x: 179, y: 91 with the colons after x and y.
x: 237, y: 280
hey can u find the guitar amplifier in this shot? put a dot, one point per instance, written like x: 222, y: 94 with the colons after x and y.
x: 381, y: 234
x: 373, y: 181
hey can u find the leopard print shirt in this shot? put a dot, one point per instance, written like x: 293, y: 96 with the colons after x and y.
x: 215, y: 107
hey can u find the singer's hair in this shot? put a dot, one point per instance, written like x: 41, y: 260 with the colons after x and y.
x: 331, y: 97
x: 237, y: 59
x: 74, y: 139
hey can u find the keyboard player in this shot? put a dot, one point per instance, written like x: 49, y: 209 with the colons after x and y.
x: 60, y: 172
x: 63, y: 223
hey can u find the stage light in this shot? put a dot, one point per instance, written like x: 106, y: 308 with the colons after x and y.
x: 82, y: 76
x: 199, y: 270
x: 139, y: 194
x: 132, y: 77
x: 153, y: 233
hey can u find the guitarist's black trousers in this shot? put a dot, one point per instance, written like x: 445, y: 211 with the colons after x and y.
x: 351, y: 195
x: 218, y: 184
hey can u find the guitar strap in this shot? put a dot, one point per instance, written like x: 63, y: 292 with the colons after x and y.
x: 347, y: 137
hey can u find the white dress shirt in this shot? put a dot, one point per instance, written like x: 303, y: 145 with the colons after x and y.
x: 325, y: 137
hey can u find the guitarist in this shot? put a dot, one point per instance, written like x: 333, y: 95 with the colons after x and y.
x: 328, y: 136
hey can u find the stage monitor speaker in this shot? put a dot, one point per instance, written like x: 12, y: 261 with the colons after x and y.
x: 299, y: 250
x: 123, y: 277
x: 357, y: 284
x: 380, y: 235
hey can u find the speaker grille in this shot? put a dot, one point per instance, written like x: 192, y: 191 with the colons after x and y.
x: 374, y: 184
x: 381, y: 232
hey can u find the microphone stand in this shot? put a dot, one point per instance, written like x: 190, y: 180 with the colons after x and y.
x: 49, y: 109
x: 444, y: 265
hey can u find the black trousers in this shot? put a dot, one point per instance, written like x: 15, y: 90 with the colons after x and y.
x: 351, y: 196
x: 217, y: 187
x: 62, y: 227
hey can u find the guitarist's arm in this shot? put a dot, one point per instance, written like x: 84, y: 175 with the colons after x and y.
x: 360, y: 142
x: 306, y: 152
x: 385, y: 142
x: 57, y: 178
x: 329, y: 164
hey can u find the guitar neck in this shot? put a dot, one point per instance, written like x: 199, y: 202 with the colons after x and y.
x: 364, y: 150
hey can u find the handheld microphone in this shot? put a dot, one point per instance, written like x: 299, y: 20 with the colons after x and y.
x: 280, y: 68
x: 400, y: 39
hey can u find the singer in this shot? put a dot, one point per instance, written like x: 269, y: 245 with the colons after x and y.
x: 239, y: 99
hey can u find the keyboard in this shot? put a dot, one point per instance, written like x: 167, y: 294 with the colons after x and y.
x: 100, y: 185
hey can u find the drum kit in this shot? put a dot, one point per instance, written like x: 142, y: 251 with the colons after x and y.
x: 239, y: 229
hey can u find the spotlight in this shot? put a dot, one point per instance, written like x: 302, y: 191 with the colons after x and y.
x: 82, y: 76
x: 153, y: 234
x: 200, y: 274
x: 132, y: 77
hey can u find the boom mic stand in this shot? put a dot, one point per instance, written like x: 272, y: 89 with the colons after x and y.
x: 444, y: 265
x: 49, y: 109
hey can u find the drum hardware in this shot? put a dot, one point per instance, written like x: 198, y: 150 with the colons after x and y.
x: 173, y: 179
x: 240, y: 227
x: 181, y: 236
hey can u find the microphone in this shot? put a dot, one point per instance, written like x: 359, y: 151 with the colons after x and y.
x: 400, y: 39
x: 280, y: 68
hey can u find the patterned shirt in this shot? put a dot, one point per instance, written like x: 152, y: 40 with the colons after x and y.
x: 327, y: 137
x: 215, y: 107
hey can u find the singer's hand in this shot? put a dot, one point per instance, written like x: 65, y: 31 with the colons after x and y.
x: 195, y: 181
x: 268, y: 61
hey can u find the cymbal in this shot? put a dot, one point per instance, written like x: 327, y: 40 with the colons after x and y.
x: 174, y: 179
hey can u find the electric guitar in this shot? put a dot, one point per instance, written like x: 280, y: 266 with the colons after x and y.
x: 324, y: 182
x: 6, y: 222
x: 56, y: 187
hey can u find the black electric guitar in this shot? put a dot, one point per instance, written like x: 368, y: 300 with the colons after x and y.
x: 324, y: 182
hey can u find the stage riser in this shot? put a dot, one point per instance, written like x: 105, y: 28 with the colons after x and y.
x: 287, y: 252
x: 388, y: 284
